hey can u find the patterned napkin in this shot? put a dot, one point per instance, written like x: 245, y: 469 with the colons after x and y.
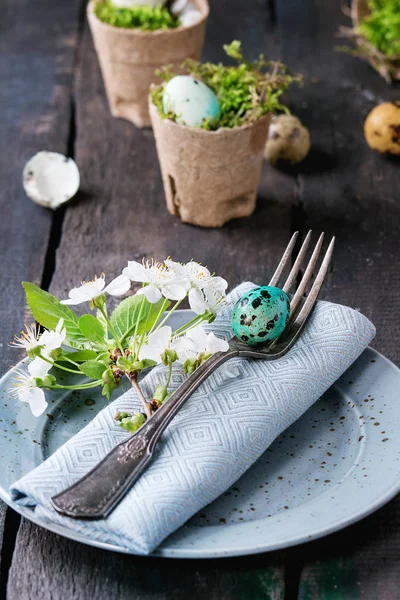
x: 221, y: 431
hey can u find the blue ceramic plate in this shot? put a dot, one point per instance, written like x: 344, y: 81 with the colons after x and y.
x: 337, y: 464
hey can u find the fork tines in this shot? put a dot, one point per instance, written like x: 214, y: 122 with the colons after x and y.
x: 301, y: 306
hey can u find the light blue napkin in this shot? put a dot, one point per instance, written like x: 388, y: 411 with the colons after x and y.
x: 221, y: 431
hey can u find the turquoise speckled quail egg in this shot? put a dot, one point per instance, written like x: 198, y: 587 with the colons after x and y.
x: 190, y: 100
x: 260, y: 315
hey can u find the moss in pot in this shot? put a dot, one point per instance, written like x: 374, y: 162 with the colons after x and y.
x: 132, y: 40
x: 376, y: 35
x: 211, y: 156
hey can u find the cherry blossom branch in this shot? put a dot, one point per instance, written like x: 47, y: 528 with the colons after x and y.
x: 134, y: 382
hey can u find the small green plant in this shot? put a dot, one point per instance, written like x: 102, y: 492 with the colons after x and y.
x: 148, y: 18
x: 382, y: 27
x: 245, y: 91
x: 377, y: 38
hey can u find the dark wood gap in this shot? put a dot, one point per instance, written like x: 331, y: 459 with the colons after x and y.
x: 271, y: 9
x: 59, y: 215
x: 11, y: 526
x: 54, y: 241
x: 293, y: 569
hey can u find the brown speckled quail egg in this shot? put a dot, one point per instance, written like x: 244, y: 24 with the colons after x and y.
x: 288, y: 140
x: 382, y: 128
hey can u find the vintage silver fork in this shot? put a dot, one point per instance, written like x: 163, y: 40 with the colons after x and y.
x: 96, y: 494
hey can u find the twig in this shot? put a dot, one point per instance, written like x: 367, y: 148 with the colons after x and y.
x: 134, y: 382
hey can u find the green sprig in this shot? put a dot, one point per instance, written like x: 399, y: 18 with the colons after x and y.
x: 382, y: 26
x: 147, y: 18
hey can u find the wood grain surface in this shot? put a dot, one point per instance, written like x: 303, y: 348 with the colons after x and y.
x: 55, y: 100
x: 37, y: 56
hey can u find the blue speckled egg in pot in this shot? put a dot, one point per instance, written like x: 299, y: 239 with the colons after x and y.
x: 191, y: 100
x: 260, y: 315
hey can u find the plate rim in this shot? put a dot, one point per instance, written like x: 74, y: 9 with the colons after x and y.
x: 320, y: 530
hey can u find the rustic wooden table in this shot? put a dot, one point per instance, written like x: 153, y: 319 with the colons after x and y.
x: 52, y: 97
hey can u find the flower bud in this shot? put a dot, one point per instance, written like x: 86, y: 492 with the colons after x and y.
x: 121, y: 415
x: 160, y: 393
x: 133, y: 423
x: 190, y: 365
x: 169, y: 356
x: 98, y: 302
x: 203, y: 357
x: 48, y: 381
x: 108, y: 376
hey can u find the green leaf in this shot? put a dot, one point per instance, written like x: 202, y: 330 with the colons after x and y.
x: 124, y: 317
x: 108, y: 389
x: 47, y: 311
x: 147, y: 363
x: 93, y: 369
x: 79, y: 356
x: 124, y: 363
x: 151, y: 314
x: 103, y: 320
x: 92, y: 329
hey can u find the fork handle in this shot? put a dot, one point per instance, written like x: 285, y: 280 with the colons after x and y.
x: 97, y: 493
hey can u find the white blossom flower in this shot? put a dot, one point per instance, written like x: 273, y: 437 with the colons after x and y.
x: 207, y: 292
x: 160, y: 281
x: 39, y: 367
x: 209, y: 300
x: 198, y: 344
x: 90, y: 290
x: 29, y: 339
x: 157, y: 343
x: 51, y: 340
x: 46, y: 342
x: 26, y: 386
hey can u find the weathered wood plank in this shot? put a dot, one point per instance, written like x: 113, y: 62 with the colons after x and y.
x: 361, y: 562
x: 61, y: 569
x: 349, y: 191
x: 121, y: 215
x: 86, y: 573
x: 36, y: 59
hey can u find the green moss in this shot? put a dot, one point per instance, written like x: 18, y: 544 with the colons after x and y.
x: 148, y: 18
x: 245, y: 91
x: 382, y: 27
